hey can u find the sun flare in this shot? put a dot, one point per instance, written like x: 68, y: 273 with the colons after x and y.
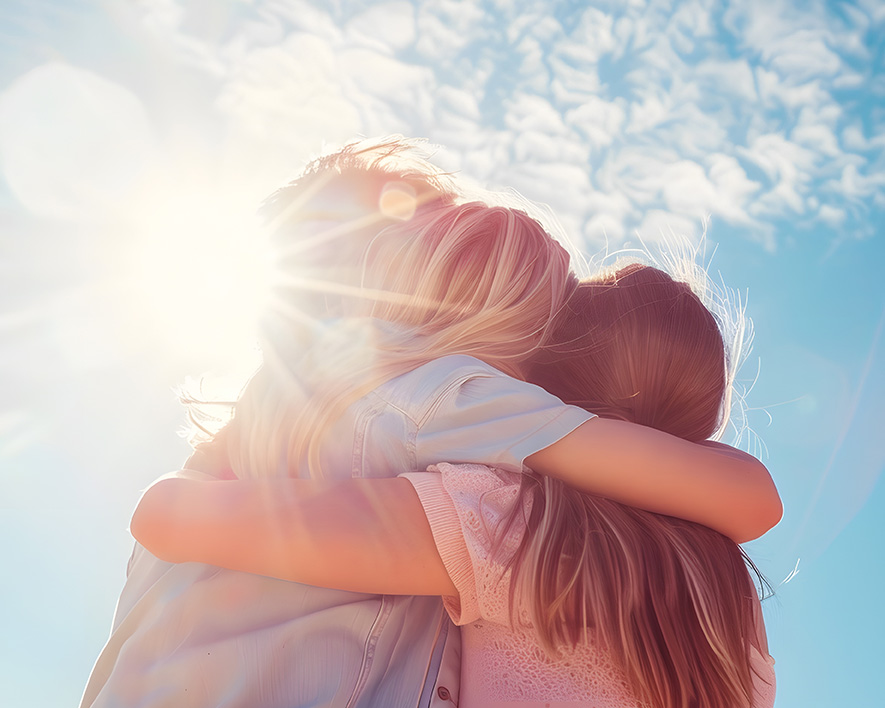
x: 201, y: 274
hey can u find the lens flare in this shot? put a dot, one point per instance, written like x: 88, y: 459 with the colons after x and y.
x: 199, y: 276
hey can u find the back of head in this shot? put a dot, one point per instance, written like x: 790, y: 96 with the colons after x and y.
x: 637, y: 345
x: 322, y: 223
x: 470, y: 279
x: 671, y: 600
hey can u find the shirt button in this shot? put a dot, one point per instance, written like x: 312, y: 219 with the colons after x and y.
x: 443, y: 693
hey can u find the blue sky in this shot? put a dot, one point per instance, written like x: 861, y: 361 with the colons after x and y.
x: 136, y: 138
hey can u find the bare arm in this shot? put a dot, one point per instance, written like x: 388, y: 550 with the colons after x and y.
x: 709, y: 483
x: 373, y: 536
x: 363, y: 535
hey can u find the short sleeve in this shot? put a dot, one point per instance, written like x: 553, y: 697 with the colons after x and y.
x: 465, y: 506
x: 494, y: 420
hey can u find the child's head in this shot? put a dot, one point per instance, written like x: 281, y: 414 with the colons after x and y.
x: 637, y: 345
x: 672, y: 600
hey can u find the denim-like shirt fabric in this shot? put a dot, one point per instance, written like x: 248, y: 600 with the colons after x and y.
x: 193, y: 635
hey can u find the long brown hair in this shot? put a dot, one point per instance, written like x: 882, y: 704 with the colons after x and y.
x: 671, y: 600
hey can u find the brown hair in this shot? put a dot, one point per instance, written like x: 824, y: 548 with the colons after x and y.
x: 671, y: 600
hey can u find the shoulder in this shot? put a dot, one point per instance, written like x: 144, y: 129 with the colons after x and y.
x: 455, y: 366
x: 419, y: 391
x: 475, y: 393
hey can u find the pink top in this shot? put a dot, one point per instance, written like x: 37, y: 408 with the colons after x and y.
x: 503, y: 666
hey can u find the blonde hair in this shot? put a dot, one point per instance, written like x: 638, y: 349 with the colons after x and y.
x: 672, y: 601
x: 450, y: 278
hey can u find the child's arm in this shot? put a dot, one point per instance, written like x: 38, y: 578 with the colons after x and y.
x: 372, y: 535
x: 364, y: 535
x: 709, y: 483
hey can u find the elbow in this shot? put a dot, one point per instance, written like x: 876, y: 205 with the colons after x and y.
x: 150, y: 526
x: 760, y: 522
x: 771, y: 510
x: 764, y: 513
x: 773, y: 513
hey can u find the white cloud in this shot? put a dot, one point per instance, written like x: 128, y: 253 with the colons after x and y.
x: 458, y: 101
x: 643, y: 31
x: 71, y: 142
x: 818, y: 137
x: 696, y: 132
x: 282, y: 104
x: 18, y: 431
x: 734, y: 189
x: 163, y: 15
x: 647, y: 114
x: 538, y: 24
x: 529, y: 112
x: 661, y: 226
x: 831, y: 216
x: 382, y: 76
x: 635, y: 172
x: 445, y: 27
x: 303, y: 16
x: 564, y: 187
x: 803, y: 55
x: 776, y: 91
x: 604, y: 228
x: 591, y: 39
x: 388, y: 25
x: 733, y: 78
x: 686, y: 189
x: 801, y: 42
x: 875, y: 9
x: 691, y: 21
x: 598, y: 120
x: 532, y: 66
x: 856, y: 186
x: 849, y: 80
x: 788, y: 165
x: 165, y: 19
x: 669, y: 119
x: 534, y: 146
x: 759, y: 23
x: 851, y: 42
x: 607, y: 215
x: 854, y: 139
x: 690, y: 191
x: 572, y: 85
x: 661, y: 59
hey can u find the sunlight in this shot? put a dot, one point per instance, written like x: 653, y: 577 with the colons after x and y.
x: 200, y: 273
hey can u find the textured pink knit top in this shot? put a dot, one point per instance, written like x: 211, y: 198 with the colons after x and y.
x: 502, y: 665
